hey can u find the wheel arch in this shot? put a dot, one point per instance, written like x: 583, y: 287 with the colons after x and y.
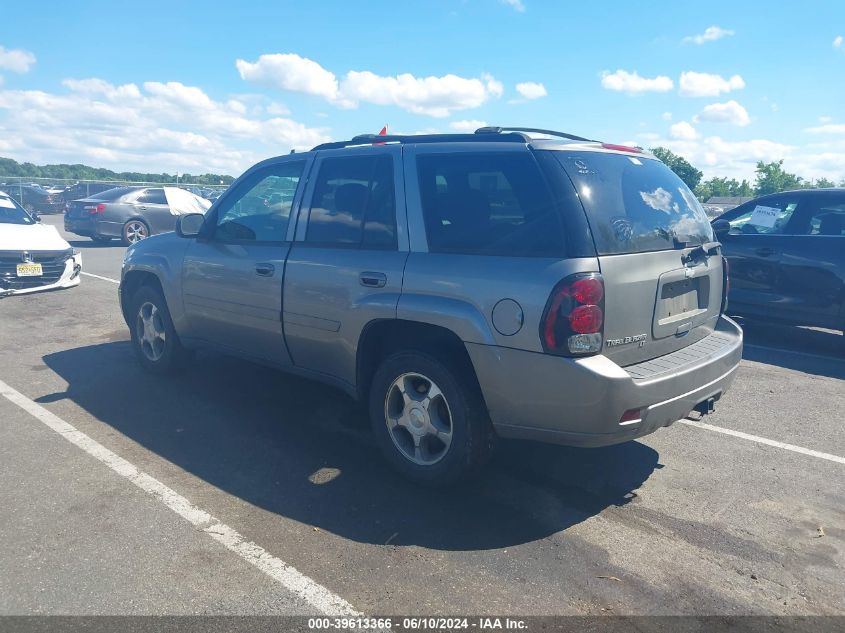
x: 382, y: 337
x: 132, y: 281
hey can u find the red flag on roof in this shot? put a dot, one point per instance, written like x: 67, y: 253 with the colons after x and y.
x: 383, y: 131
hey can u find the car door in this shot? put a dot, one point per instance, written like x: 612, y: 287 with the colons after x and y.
x: 151, y: 206
x: 753, y: 248
x: 812, y: 261
x: 345, y: 267
x: 233, y: 273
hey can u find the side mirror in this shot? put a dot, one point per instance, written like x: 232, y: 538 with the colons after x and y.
x: 721, y: 228
x: 190, y: 224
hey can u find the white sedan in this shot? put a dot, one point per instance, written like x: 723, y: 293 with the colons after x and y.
x: 33, y: 256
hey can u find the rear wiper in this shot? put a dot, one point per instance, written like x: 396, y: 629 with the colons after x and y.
x: 700, y: 251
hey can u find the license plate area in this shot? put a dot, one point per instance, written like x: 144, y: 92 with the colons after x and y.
x: 29, y: 270
x: 683, y: 301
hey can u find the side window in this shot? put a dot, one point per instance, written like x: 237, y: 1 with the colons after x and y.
x: 827, y: 220
x: 354, y: 203
x: 259, y: 209
x: 152, y: 196
x: 767, y: 217
x: 485, y: 203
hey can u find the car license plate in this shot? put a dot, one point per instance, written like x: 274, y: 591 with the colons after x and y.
x: 30, y: 270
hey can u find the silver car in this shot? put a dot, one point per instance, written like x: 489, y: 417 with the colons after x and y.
x: 463, y: 286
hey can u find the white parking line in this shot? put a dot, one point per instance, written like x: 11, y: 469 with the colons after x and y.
x: 114, y: 281
x: 297, y: 583
x: 766, y: 441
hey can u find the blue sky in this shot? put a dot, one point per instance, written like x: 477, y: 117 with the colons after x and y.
x: 185, y: 86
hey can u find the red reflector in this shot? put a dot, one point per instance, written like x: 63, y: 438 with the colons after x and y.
x: 588, y: 291
x: 622, y: 148
x: 586, y: 319
x: 630, y: 415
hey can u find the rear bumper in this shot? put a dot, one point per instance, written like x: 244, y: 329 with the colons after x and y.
x: 80, y: 226
x: 580, y: 402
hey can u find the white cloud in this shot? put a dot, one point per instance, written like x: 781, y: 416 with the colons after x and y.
x: 432, y: 96
x: 16, y: 60
x: 632, y: 83
x: 683, y: 131
x: 693, y: 84
x: 825, y: 119
x: 729, y: 112
x: 837, y: 42
x: 827, y: 128
x: 289, y: 71
x: 666, y: 116
x: 467, y: 125
x: 711, y: 34
x: 531, y: 90
x: 160, y: 127
x: 516, y: 5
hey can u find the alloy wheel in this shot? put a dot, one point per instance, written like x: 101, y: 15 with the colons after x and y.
x: 150, y: 331
x: 418, y: 419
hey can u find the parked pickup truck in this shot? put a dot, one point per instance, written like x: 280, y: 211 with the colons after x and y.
x: 517, y: 283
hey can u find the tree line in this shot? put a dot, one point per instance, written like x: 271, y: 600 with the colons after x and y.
x: 770, y: 178
x: 12, y: 168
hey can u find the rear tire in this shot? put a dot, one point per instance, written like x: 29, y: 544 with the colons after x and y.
x: 154, y: 339
x: 134, y: 231
x: 429, y: 419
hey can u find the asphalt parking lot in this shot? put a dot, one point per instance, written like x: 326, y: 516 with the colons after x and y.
x: 689, y: 520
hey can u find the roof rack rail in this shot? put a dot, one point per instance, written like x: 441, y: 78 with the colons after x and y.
x: 376, y: 139
x: 500, y: 130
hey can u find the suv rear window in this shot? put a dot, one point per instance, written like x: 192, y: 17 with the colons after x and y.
x: 634, y: 204
x: 490, y: 204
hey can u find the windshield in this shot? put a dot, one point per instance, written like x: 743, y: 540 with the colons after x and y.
x: 635, y: 204
x: 11, y: 213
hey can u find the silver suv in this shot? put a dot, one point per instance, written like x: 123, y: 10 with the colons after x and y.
x: 462, y: 286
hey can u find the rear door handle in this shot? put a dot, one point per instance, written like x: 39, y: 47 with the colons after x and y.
x: 265, y: 270
x: 765, y: 251
x: 373, y: 280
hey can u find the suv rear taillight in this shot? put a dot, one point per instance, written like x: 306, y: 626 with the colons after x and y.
x: 94, y: 210
x: 726, y: 284
x: 574, y: 316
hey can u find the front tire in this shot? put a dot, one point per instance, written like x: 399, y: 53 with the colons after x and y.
x: 429, y: 419
x: 134, y: 231
x: 154, y: 339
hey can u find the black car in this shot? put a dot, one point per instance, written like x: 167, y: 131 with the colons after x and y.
x: 82, y: 190
x: 35, y: 198
x: 786, y: 253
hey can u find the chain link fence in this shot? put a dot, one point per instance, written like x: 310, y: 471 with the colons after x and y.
x: 52, y: 195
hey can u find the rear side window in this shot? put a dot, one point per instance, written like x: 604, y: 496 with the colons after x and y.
x: 489, y: 204
x: 828, y: 220
x: 152, y: 196
x: 634, y: 204
x: 354, y: 203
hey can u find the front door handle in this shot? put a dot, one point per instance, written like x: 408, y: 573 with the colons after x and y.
x: 264, y: 269
x: 373, y: 280
x: 765, y: 251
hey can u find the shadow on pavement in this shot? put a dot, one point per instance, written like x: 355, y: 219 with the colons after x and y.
x: 86, y: 243
x: 302, y: 450
x: 775, y: 344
